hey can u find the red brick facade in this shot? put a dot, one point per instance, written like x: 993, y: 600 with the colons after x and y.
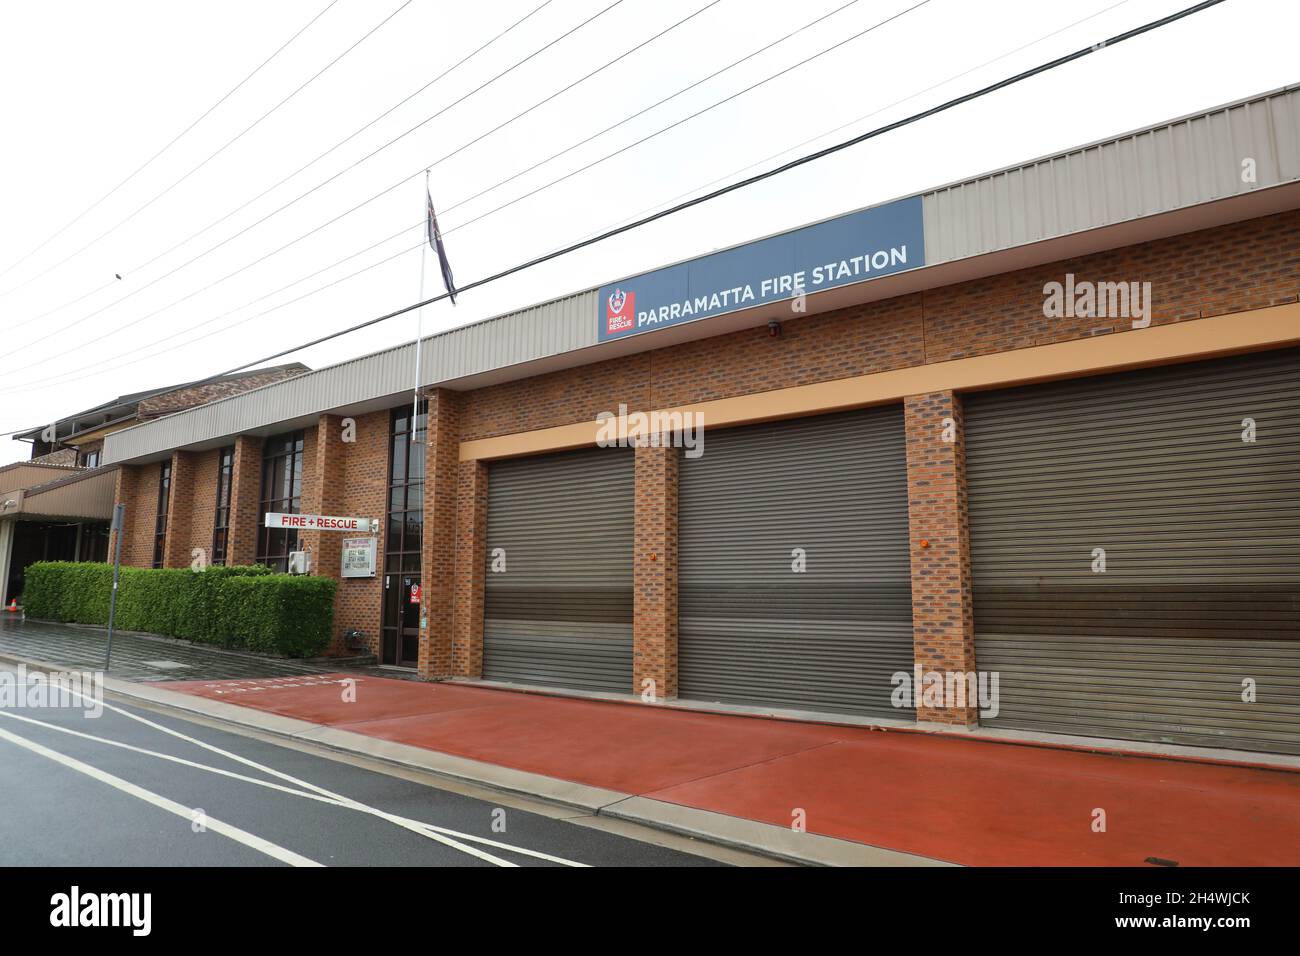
x: 654, y: 569
x: 943, y: 626
x: 1231, y: 268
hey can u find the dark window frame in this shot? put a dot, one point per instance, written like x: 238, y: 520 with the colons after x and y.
x: 160, y: 516
x: 221, y: 514
x: 404, y: 506
x: 281, y: 491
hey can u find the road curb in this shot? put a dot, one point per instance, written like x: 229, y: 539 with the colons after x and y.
x: 753, y: 836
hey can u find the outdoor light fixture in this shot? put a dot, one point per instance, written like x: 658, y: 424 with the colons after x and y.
x: 774, y: 329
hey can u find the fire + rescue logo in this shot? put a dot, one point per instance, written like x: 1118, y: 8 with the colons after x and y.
x: 619, y: 311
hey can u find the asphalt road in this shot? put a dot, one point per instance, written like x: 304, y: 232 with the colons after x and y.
x: 74, y: 801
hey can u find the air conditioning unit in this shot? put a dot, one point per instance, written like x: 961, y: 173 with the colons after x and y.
x: 299, y: 562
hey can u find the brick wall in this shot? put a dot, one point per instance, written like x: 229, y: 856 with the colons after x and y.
x: 245, y: 500
x: 1230, y: 268
x: 137, y: 488
x: 180, y: 510
x: 471, y: 568
x: 362, y: 491
x: 654, y: 567
x: 943, y: 626
x: 438, y: 559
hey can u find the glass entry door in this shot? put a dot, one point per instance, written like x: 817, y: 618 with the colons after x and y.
x: 403, y: 535
x: 401, y: 637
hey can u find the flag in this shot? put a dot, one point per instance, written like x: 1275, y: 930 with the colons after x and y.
x: 435, y: 243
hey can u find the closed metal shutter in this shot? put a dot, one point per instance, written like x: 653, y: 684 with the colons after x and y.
x: 753, y: 631
x: 560, y: 615
x: 1201, y: 533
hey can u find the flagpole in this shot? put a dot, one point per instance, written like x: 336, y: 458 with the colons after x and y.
x: 419, y: 319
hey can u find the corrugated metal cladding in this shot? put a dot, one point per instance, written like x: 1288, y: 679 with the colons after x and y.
x: 1201, y: 538
x: 560, y: 614
x: 1193, y: 160
x: 1166, y: 167
x: 563, y: 325
x: 751, y: 628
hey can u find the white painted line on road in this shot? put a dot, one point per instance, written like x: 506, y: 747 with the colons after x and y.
x: 171, y: 806
x: 536, y: 854
x: 438, y: 834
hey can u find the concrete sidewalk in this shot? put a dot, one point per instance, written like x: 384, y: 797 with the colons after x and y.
x: 865, y: 796
x: 923, y: 797
x: 142, y: 657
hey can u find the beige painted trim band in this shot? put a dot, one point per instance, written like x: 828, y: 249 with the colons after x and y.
x: 1182, y: 341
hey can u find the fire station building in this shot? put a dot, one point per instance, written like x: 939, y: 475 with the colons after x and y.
x: 1043, y: 424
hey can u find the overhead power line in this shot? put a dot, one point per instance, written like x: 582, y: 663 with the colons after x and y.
x: 358, y: 206
x: 914, y: 118
x: 122, y: 222
x: 616, y: 59
x: 275, y: 212
x: 347, y: 139
x: 843, y: 126
x: 136, y: 357
x: 172, y: 142
x: 751, y: 180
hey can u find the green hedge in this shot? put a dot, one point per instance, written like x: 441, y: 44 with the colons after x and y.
x: 245, y: 607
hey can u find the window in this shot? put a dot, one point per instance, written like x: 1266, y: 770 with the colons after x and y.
x: 160, y: 519
x: 405, y: 492
x: 221, y: 523
x: 281, y: 493
x: 90, y: 459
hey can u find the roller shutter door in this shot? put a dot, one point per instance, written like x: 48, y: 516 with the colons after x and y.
x: 560, y: 615
x: 752, y: 631
x: 1201, y: 533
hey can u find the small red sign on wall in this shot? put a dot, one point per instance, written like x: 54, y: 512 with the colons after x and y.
x: 415, y: 594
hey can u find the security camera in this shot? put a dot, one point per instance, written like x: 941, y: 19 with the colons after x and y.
x: 774, y: 329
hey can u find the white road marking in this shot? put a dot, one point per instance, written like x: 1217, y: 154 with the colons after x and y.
x: 537, y: 854
x: 436, y: 833
x: 171, y: 806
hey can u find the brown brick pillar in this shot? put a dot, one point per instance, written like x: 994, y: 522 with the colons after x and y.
x: 438, y: 548
x: 942, y: 616
x: 322, y: 492
x: 654, y: 570
x: 471, y: 568
x: 180, y: 511
x: 137, y: 489
x: 245, y: 500
x: 123, y: 492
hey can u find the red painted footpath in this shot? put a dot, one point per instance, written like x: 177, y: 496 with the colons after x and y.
x: 961, y: 800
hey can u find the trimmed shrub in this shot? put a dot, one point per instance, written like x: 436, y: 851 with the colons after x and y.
x: 242, y: 607
x: 280, y: 614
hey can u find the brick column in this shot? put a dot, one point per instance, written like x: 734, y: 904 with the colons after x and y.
x: 136, y: 487
x: 471, y: 568
x: 180, y: 510
x: 942, y: 616
x: 322, y: 492
x: 123, y: 488
x: 438, y: 547
x: 245, y: 500
x: 654, y: 570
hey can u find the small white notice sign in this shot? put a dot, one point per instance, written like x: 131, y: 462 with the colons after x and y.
x: 359, y: 557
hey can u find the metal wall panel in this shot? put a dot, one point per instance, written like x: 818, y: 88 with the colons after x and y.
x: 753, y: 631
x: 560, y: 615
x: 562, y: 325
x: 1192, y: 160
x: 1201, y: 533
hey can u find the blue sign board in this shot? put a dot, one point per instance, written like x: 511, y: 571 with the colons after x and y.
x: 860, y: 246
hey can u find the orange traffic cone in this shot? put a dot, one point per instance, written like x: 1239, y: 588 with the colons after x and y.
x: 13, y: 606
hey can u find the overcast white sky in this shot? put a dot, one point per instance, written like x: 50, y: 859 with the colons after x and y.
x: 92, y: 90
